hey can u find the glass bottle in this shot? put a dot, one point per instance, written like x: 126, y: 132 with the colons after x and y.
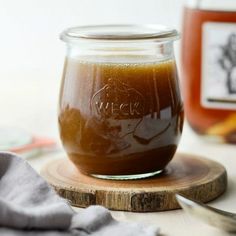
x: 209, y: 67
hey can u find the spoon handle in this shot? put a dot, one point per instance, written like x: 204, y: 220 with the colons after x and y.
x: 212, y: 216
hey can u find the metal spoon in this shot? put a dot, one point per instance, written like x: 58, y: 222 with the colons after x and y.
x: 212, y: 216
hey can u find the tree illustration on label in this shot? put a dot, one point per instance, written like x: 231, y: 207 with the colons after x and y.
x: 228, y: 62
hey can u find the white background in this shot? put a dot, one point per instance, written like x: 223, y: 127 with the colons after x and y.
x: 30, y: 28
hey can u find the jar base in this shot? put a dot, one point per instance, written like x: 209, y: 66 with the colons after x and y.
x: 127, y: 177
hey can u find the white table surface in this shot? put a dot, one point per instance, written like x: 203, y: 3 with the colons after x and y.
x: 28, y: 100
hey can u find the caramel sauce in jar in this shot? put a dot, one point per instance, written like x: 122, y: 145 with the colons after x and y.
x: 120, y: 115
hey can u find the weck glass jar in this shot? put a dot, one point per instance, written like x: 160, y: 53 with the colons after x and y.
x: 120, y: 109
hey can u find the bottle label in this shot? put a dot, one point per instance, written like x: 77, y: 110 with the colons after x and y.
x: 218, y: 85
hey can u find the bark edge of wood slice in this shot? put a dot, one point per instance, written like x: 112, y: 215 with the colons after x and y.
x: 193, y: 176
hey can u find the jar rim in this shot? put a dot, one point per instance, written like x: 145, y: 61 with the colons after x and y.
x: 119, y: 32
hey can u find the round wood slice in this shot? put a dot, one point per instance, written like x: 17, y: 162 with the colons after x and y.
x: 195, y: 177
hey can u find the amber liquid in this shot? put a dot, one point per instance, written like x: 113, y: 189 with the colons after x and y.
x: 203, y: 120
x: 120, y: 118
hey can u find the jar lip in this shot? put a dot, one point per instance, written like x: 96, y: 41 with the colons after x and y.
x: 119, y: 32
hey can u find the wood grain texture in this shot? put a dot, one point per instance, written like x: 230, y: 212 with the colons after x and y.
x: 192, y: 176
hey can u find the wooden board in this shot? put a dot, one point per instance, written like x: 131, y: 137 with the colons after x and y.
x: 192, y: 176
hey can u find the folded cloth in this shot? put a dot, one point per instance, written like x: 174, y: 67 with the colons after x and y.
x: 29, y: 206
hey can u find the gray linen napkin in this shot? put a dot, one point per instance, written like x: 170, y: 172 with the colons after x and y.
x: 29, y: 206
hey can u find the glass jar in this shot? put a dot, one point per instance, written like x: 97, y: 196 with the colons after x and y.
x: 120, y: 110
x: 209, y: 67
